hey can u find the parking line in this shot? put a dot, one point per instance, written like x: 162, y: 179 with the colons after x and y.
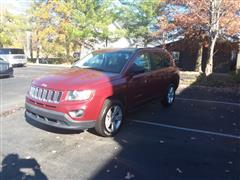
x: 186, y: 129
x: 208, y: 101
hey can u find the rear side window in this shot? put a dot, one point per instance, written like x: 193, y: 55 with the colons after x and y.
x: 11, y: 51
x: 160, y: 60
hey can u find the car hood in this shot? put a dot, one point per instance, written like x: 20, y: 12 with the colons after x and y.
x: 74, y: 79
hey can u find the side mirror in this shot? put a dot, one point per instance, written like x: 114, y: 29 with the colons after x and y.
x: 135, y: 69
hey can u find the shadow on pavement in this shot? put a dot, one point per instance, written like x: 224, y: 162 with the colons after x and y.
x: 151, y: 152
x: 14, y: 167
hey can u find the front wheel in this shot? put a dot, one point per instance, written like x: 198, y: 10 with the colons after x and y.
x: 111, y: 118
x: 169, y: 97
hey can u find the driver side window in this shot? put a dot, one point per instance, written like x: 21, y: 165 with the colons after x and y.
x: 143, y: 61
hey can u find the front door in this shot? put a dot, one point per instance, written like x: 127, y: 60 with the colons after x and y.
x: 138, y: 83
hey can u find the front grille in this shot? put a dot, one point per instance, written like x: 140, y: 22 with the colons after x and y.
x: 46, y: 95
x: 3, y: 67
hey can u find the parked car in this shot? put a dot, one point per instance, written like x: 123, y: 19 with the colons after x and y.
x: 14, y: 56
x: 6, y: 69
x: 100, y: 88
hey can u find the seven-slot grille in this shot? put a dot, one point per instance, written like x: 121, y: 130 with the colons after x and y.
x: 3, y: 67
x: 46, y: 95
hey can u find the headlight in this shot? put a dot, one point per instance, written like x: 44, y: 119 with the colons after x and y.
x: 79, y: 95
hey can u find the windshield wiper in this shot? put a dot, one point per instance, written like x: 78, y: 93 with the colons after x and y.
x: 75, y: 67
x: 93, y: 68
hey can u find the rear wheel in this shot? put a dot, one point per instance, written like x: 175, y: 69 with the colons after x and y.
x: 111, y: 118
x: 169, y: 97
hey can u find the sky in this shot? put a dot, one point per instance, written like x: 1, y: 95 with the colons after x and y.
x: 15, y: 6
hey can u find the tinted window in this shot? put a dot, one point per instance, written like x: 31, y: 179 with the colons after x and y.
x: 143, y: 61
x: 105, y: 61
x: 160, y: 60
x: 11, y: 51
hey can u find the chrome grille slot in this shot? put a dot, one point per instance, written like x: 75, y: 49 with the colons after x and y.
x: 45, y: 94
x: 50, y: 94
x: 55, y: 96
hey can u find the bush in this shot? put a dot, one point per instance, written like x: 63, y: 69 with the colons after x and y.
x: 218, y: 80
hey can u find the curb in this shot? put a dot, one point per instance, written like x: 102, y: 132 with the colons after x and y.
x: 235, y: 90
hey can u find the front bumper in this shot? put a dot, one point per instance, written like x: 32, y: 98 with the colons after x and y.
x: 54, y: 119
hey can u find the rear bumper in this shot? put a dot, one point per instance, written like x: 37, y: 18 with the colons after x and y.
x: 16, y: 62
x: 54, y: 119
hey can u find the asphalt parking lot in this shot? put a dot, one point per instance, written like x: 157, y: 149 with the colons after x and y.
x: 197, y: 138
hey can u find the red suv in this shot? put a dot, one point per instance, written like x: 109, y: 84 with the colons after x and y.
x: 98, y: 89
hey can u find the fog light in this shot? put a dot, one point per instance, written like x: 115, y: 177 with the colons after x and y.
x: 76, y: 113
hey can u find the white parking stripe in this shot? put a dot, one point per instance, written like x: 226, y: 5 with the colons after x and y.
x: 208, y: 101
x: 186, y: 129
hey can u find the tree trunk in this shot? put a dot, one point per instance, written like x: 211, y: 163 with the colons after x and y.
x: 209, y: 65
x: 106, y: 42
x: 198, y: 66
x: 37, y: 59
x: 238, y: 60
x: 31, y: 48
x: 67, y: 48
x: 38, y: 48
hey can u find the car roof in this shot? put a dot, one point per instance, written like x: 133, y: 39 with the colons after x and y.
x: 12, y: 48
x: 127, y: 49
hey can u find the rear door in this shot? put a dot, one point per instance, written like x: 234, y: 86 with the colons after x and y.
x: 161, y: 72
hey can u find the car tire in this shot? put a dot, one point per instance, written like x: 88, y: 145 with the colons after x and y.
x: 106, y: 125
x: 169, y: 96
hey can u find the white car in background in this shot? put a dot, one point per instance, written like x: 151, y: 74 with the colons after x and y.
x: 14, y: 56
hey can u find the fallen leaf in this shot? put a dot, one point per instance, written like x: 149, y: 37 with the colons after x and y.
x: 129, y: 176
x: 124, y: 140
x: 28, y: 157
x: 179, y: 170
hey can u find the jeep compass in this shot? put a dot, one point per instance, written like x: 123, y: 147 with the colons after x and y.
x: 98, y: 90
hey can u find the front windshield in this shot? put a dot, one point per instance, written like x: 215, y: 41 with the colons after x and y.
x: 105, y: 61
